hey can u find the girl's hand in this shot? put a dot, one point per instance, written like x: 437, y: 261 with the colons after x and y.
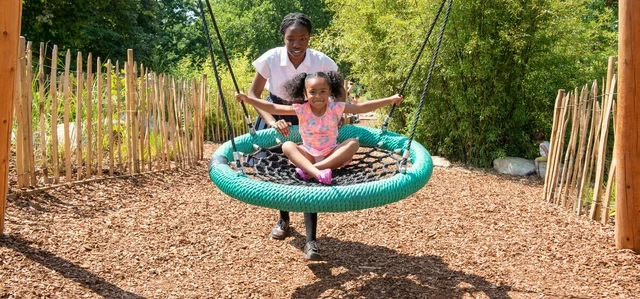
x: 281, y: 126
x: 397, y: 99
x: 241, y: 97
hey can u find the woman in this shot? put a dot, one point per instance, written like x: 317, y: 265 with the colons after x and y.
x: 273, y: 69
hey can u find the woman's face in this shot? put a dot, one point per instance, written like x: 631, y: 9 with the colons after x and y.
x: 296, y: 40
x: 318, y: 92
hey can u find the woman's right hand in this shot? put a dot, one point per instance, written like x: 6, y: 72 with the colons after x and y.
x: 281, y: 126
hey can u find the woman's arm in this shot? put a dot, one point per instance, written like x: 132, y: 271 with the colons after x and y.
x: 372, y: 105
x: 266, y: 106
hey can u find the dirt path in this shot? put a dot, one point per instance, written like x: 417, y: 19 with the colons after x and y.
x: 467, y: 234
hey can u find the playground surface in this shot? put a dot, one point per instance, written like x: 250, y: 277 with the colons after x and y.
x: 468, y: 234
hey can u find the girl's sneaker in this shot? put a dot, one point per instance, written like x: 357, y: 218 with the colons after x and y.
x: 325, y: 176
x: 305, y: 176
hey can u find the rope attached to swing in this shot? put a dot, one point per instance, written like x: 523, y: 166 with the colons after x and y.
x: 427, y: 81
x: 236, y: 154
x: 226, y: 58
x: 413, y: 66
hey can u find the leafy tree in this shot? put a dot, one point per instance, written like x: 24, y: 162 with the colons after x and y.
x: 500, y: 66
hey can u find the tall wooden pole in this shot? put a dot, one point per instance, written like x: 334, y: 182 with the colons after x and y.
x: 10, y: 17
x: 627, y: 145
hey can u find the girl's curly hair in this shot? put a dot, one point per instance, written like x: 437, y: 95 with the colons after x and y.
x: 295, y: 88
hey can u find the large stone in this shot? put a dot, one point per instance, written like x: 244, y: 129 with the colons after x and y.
x: 542, y: 167
x: 440, y: 161
x: 514, y: 166
x: 72, y: 135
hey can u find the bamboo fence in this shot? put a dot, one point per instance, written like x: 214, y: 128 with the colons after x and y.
x: 580, y: 157
x: 106, y: 120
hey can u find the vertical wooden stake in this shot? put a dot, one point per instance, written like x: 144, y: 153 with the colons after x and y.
x: 54, y: 114
x: 21, y: 167
x: 41, y: 107
x: 67, y: 112
x: 100, y: 118
x: 78, y: 127
x: 122, y: 133
x: 9, y: 37
x: 89, y: 111
x: 110, y: 116
x: 602, y: 154
x: 627, y: 149
x: 28, y: 95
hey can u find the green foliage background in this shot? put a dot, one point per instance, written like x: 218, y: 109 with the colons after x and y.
x: 498, y: 72
x: 497, y: 75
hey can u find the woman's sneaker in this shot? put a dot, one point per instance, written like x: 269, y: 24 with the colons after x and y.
x: 325, y: 176
x: 312, y: 252
x: 280, y: 231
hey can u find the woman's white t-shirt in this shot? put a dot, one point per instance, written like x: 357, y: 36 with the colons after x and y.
x: 276, y: 67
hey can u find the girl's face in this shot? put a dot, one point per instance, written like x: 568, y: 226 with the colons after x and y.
x: 317, y: 91
x: 296, y: 40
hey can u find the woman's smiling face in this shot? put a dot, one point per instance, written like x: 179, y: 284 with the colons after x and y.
x: 296, y: 40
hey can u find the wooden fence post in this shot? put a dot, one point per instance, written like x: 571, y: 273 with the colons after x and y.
x: 548, y: 179
x: 41, y: 107
x: 54, y: 113
x: 9, y: 37
x: 596, y: 205
x: 627, y: 232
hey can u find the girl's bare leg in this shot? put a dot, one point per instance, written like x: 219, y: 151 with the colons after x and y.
x: 341, y: 154
x: 300, y: 158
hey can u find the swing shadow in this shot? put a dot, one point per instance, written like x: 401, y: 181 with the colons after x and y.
x: 66, y: 268
x: 371, y: 271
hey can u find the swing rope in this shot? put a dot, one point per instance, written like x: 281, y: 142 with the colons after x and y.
x: 226, y: 58
x: 415, y: 62
x: 426, y: 85
x: 236, y: 154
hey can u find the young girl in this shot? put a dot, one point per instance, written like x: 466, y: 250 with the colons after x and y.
x: 312, y: 96
x: 274, y: 68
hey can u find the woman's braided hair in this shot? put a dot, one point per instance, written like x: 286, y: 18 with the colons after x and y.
x: 295, y: 18
x: 295, y: 88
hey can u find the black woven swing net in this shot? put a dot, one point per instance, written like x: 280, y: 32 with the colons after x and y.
x: 368, y: 164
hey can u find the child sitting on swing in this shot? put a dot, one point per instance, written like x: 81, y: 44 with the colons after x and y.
x: 312, y: 97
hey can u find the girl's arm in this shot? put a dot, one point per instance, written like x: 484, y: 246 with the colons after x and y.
x: 255, y: 91
x: 372, y: 105
x: 266, y: 106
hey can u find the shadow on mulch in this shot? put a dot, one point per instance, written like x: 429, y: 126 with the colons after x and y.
x: 376, y: 271
x: 67, y: 269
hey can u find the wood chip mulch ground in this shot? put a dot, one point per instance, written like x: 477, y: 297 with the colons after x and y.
x: 467, y: 234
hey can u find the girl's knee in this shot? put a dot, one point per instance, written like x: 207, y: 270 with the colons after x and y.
x: 289, y: 145
x: 352, y: 142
